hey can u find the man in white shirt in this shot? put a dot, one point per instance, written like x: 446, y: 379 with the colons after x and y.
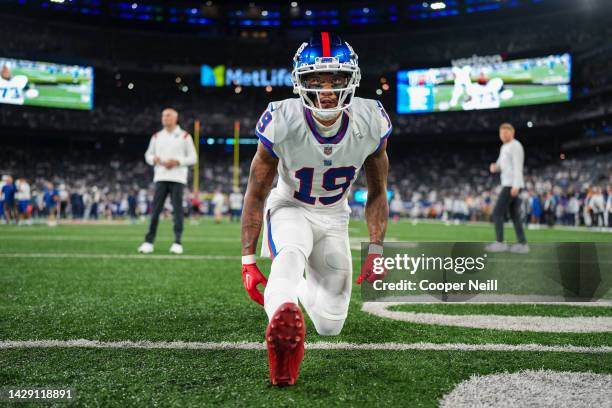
x: 171, y: 152
x: 609, y: 207
x: 235, y: 203
x: 218, y: 201
x: 23, y: 197
x: 597, y: 203
x: 510, y: 165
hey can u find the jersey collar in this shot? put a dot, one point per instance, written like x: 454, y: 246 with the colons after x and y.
x: 327, y: 140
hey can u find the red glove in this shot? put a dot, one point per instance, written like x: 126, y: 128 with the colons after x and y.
x: 251, y: 277
x: 367, y: 269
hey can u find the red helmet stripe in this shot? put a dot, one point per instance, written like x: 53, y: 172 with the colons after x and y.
x: 325, y: 42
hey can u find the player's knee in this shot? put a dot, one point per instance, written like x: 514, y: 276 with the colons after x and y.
x: 328, y: 327
x: 291, y: 253
x: 338, y: 260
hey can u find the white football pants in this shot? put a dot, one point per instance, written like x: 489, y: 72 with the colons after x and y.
x: 311, y: 262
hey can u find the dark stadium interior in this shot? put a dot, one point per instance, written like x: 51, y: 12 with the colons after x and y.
x: 147, y: 56
x: 199, y: 207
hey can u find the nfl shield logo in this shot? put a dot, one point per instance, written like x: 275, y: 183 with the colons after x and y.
x: 327, y: 150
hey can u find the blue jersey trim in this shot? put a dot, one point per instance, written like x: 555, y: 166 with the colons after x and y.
x: 270, y: 240
x: 267, y: 143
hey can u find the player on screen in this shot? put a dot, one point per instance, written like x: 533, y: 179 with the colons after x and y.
x: 11, y: 87
x: 317, y: 144
x: 483, y: 94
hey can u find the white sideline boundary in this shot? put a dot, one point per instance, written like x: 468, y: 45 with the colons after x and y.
x: 79, y: 255
x: 149, y: 257
x: 226, y: 345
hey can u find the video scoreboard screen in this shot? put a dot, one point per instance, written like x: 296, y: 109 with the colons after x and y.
x: 485, y: 83
x: 47, y: 84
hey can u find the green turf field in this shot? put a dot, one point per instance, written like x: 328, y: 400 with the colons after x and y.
x: 87, y: 282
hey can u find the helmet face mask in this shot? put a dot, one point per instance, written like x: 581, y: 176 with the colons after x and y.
x: 316, y: 76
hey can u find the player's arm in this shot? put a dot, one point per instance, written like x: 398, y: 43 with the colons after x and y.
x: 261, y: 177
x: 376, y: 169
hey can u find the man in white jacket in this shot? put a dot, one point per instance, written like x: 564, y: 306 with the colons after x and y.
x: 510, y: 166
x: 171, y: 152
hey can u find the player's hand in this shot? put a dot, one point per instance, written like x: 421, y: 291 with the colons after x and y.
x: 493, y: 167
x: 515, y: 191
x: 368, y: 272
x: 156, y: 160
x: 251, y: 277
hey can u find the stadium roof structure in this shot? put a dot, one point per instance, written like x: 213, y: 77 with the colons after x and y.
x: 290, y: 14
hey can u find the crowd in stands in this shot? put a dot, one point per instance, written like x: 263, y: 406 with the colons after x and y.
x: 122, y: 56
x: 424, y: 184
x: 451, y: 186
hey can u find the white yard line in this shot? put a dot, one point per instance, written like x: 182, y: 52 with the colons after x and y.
x: 226, y: 345
x: 98, y: 238
x: 77, y: 255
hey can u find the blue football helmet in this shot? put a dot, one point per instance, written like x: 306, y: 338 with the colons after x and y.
x: 325, y: 52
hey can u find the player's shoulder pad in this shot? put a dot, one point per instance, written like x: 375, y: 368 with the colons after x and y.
x: 272, y: 126
x: 371, y: 118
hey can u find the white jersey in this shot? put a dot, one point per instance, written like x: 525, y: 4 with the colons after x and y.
x: 218, y: 200
x: 11, y: 90
x: 23, y: 191
x: 317, y: 172
x: 235, y: 201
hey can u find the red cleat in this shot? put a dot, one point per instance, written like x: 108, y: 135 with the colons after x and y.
x: 285, y: 342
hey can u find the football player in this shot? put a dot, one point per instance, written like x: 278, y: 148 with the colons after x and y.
x: 11, y: 87
x: 317, y: 144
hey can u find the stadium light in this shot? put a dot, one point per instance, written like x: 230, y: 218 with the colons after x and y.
x: 379, y: 92
x: 438, y: 5
x: 294, y: 4
x: 529, y: 124
x: 131, y: 86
